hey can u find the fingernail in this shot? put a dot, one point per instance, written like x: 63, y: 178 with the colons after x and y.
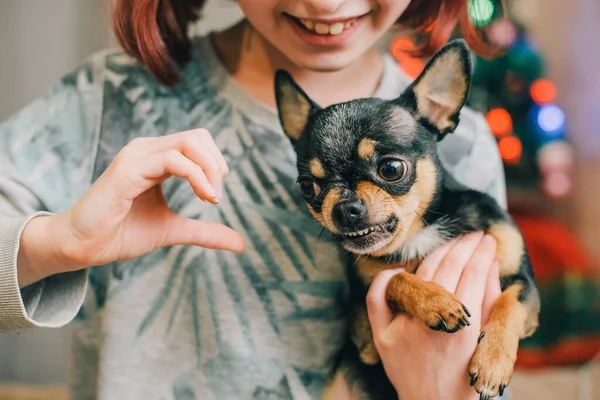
x: 213, y: 194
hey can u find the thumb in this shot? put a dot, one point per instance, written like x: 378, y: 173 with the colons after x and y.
x: 380, y: 315
x: 210, y: 235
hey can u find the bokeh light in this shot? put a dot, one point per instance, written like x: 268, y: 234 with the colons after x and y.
x: 481, y: 12
x: 551, y: 119
x: 500, y: 122
x: 400, y: 48
x: 557, y: 185
x: 511, y: 149
x: 543, y: 91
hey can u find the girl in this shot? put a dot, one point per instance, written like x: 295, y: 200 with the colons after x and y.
x: 122, y: 166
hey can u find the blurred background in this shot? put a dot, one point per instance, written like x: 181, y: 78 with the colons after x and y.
x: 541, y: 101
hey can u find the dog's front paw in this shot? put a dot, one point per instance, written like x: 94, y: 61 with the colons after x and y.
x: 492, y: 365
x: 431, y: 303
x: 447, y: 313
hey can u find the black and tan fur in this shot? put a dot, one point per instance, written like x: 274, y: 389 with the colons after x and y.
x: 349, y: 156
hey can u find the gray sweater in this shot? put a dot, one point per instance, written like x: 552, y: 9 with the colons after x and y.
x: 185, y: 322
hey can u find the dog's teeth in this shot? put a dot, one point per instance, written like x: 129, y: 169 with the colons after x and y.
x: 363, y: 232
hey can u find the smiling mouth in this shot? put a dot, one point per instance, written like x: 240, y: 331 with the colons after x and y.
x: 323, y: 28
x: 371, y: 238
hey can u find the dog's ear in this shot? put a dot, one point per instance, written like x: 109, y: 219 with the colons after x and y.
x: 293, y: 105
x: 442, y: 89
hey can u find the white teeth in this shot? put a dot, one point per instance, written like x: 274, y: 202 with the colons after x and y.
x: 363, y: 232
x: 325, y: 29
x: 308, y: 24
x: 336, y: 29
x: 321, y: 29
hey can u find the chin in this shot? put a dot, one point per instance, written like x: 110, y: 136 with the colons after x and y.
x: 324, y: 62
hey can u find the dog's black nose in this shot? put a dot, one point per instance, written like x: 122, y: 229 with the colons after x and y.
x: 349, y: 214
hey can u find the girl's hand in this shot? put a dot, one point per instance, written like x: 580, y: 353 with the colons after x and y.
x: 423, y: 364
x: 124, y: 215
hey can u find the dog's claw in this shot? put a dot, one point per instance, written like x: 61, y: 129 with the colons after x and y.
x: 480, y: 337
x: 502, y: 387
x: 445, y: 326
x: 467, y: 311
x: 473, y: 379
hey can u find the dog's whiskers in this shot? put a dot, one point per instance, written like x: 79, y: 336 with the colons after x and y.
x: 420, y: 216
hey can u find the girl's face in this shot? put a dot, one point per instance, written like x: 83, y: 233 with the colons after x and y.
x: 322, y: 35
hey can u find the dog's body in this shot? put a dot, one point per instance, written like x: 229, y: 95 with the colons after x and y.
x: 370, y: 174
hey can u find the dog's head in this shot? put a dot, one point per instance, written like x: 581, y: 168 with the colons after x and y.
x: 368, y: 168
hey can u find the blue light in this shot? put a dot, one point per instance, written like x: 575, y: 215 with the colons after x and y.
x: 550, y: 119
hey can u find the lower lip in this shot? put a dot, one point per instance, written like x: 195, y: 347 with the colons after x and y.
x: 315, y: 39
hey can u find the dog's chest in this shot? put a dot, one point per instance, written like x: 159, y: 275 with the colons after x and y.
x: 426, y: 241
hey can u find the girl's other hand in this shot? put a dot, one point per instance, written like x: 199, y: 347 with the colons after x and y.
x: 424, y: 364
x: 124, y: 215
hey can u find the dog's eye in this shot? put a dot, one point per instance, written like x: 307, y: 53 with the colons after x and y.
x: 392, y: 170
x: 309, y: 188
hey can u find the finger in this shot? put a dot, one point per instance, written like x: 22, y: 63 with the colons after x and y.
x: 218, y: 156
x: 430, y: 264
x: 195, y: 145
x: 380, y: 314
x: 451, y: 267
x: 180, y: 166
x: 198, y: 145
x: 492, y: 292
x: 473, y: 280
x: 204, y: 234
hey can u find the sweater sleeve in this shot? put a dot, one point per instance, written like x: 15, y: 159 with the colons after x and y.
x: 46, y: 160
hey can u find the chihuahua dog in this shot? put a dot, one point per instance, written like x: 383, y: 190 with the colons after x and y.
x: 370, y: 174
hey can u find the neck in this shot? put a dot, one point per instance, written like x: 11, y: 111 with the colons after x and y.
x: 253, y: 62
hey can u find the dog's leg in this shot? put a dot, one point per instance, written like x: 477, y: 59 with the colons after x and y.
x: 362, y: 336
x: 514, y: 315
x: 337, y: 388
x: 427, y: 301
